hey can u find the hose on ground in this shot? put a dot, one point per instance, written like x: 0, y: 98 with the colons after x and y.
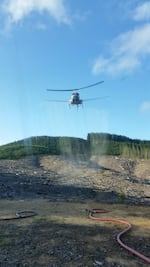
x: 20, y: 215
x: 91, y: 213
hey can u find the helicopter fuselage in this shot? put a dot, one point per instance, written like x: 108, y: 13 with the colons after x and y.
x: 75, y: 99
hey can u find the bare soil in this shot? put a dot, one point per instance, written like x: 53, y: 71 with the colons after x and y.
x: 60, y: 190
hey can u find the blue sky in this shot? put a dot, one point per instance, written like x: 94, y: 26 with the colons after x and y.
x: 70, y: 44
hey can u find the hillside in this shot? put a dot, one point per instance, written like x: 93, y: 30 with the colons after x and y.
x: 96, y: 144
x: 106, y: 178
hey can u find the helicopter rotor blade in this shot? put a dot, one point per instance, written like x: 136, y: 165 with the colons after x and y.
x: 91, y: 85
x: 75, y: 89
x: 60, y: 90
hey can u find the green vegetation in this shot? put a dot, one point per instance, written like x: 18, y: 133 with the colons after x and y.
x: 96, y: 144
x: 117, y: 145
x: 6, y: 242
x: 67, y: 146
x: 122, y: 196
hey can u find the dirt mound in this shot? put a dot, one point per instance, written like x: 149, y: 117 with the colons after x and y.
x: 106, y: 174
x: 102, y: 177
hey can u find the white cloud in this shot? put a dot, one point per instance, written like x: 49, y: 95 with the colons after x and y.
x: 145, y: 107
x: 142, y: 12
x: 17, y: 10
x: 127, y: 52
x: 41, y: 26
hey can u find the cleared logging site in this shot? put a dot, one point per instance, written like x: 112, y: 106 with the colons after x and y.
x: 61, y: 192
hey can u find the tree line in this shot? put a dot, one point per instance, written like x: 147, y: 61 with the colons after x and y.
x: 95, y: 144
x: 117, y: 145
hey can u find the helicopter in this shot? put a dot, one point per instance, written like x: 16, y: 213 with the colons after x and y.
x: 75, y: 99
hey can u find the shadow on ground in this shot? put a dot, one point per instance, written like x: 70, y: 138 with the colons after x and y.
x: 30, y: 187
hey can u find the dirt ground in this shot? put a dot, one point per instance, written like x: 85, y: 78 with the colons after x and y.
x: 61, y: 234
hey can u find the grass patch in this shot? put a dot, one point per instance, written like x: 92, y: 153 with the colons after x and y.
x: 6, y: 242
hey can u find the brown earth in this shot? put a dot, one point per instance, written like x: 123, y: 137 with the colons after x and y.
x: 60, y: 190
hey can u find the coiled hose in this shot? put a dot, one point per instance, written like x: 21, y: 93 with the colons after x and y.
x: 20, y: 215
x: 91, y: 213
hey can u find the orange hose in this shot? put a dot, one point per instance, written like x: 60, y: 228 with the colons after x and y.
x: 93, y: 211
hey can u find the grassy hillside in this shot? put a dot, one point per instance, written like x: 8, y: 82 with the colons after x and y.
x: 96, y: 144
x: 45, y: 145
x: 108, y: 144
